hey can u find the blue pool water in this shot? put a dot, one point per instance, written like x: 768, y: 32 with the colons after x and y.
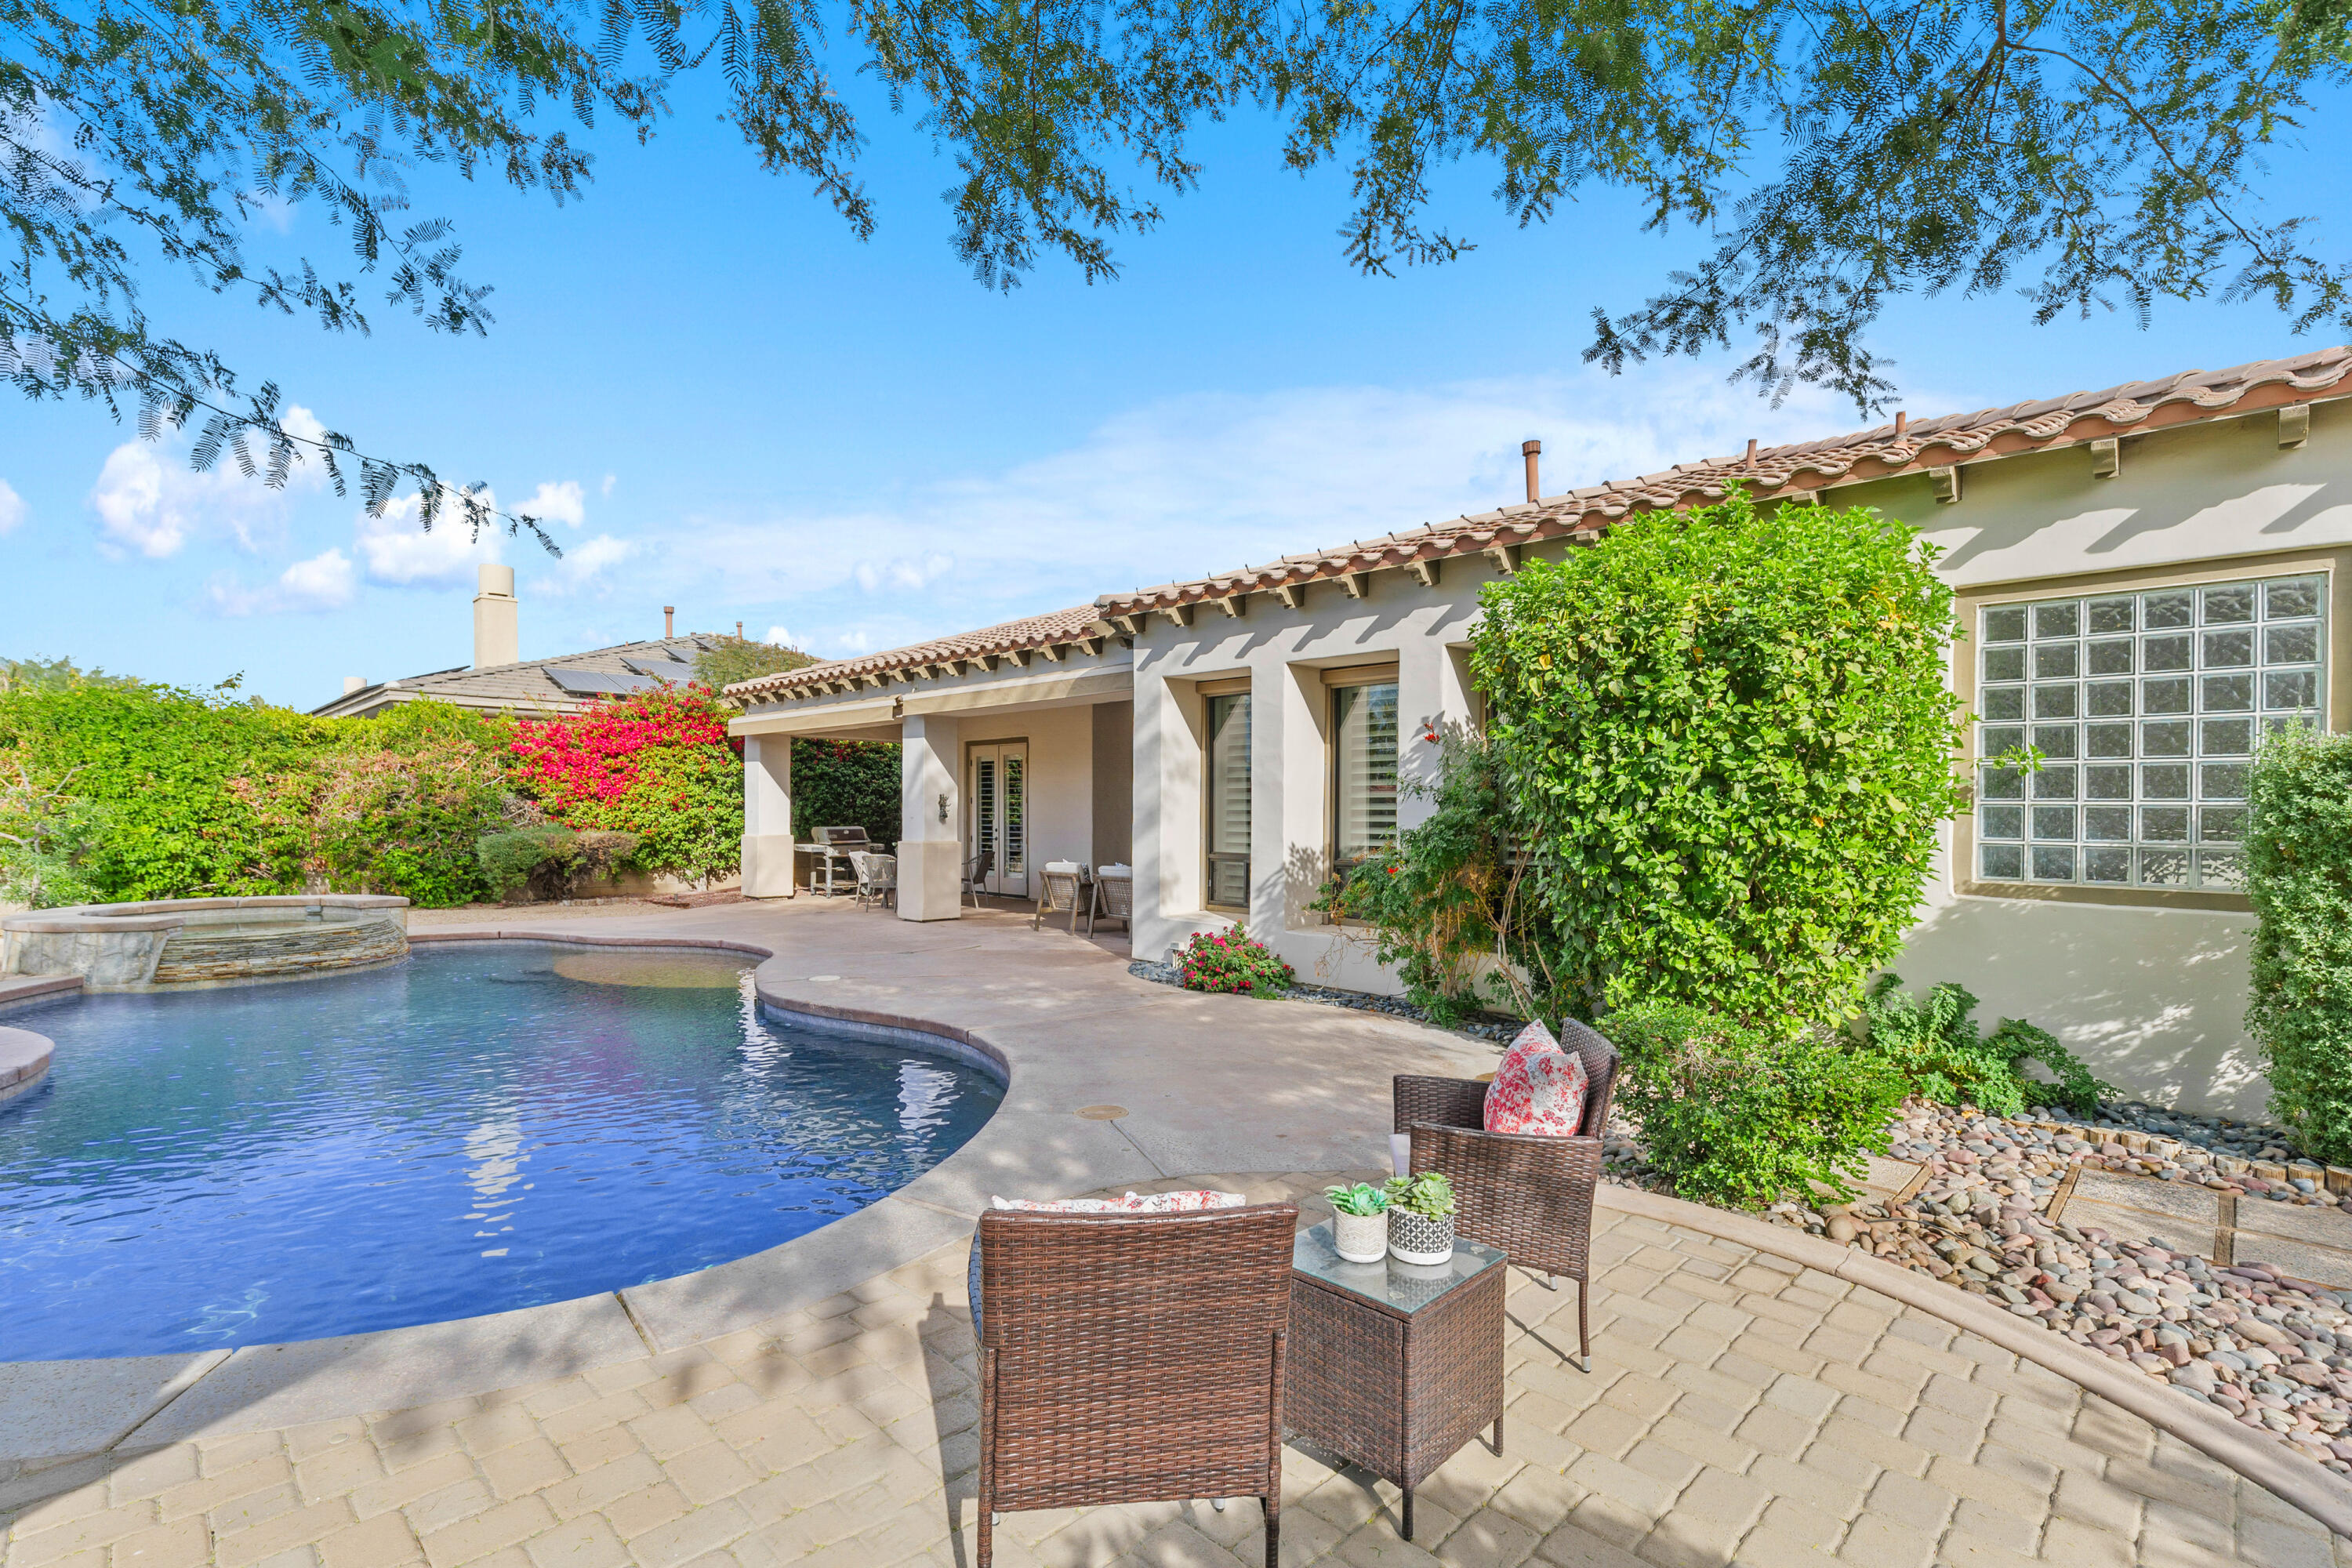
x: 489, y: 1125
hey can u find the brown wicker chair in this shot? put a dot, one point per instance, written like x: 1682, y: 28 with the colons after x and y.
x: 1530, y: 1196
x: 1132, y: 1358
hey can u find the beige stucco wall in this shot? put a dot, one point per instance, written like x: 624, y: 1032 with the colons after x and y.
x: 2153, y: 998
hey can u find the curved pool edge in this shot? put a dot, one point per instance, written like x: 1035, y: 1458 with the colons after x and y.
x: 52, y: 1410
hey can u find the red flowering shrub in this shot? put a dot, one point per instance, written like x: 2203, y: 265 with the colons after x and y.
x: 596, y: 755
x: 1233, y: 962
x: 657, y: 764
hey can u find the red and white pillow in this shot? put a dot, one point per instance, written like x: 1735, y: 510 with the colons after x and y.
x: 1539, y: 1089
x: 1195, y: 1201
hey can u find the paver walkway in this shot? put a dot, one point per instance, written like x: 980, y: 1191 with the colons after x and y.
x: 1740, y: 1410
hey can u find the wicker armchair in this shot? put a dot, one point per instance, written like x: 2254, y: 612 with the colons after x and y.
x: 1132, y: 1358
x: 1530, y: 1196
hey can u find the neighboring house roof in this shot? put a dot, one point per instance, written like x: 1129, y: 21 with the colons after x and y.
x: 1080, y: 623
x: 1789, y: 472
x: 566, y: 684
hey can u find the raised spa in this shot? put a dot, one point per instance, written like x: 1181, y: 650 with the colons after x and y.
x: 207, y: 941
x: 488, y: 1126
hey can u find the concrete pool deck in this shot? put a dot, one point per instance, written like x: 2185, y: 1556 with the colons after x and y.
x: 814, y: 1403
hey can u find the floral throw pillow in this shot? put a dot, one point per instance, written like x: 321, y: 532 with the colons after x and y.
x: 1540, y: 1088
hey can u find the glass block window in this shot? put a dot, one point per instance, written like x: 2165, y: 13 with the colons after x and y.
x: 2146, y: 707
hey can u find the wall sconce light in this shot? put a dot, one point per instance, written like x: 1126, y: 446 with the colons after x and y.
x: 943, y: 806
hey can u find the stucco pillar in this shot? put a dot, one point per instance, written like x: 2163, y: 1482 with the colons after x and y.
x: 768, y: 817
x: 931, y: 819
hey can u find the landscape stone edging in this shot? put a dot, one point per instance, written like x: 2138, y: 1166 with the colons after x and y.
x: 2266, y: 1464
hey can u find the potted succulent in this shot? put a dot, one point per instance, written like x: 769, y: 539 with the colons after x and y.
x: 1421, y: 1217
x: 1358, y: 1221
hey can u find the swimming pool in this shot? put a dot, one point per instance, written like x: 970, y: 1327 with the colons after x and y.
x: 488, y: 1126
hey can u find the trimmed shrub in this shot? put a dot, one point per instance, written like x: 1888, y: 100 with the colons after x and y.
x: 1234, y: 962
x: 1736, y: 1116
x: 549, y: 862
x: 1729, y: 738
x: 1933, y: 1043
x: 2299, y: 877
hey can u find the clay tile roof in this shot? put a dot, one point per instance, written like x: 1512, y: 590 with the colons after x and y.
x: 1047, y: 630
x: 1784, y: 471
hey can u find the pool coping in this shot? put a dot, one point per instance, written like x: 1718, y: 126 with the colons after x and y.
x: 69, y: 1408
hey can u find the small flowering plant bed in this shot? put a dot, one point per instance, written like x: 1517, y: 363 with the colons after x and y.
x: 1233, y: 962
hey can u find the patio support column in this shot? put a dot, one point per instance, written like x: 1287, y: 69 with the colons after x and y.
x: 931, y: 818
x: 766, y: 816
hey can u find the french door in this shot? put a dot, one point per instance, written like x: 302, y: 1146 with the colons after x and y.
x: 997, y: 784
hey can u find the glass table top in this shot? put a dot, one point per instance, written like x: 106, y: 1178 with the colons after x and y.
x: 1400, y: 1288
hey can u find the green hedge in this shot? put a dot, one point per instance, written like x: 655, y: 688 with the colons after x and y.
x: 199, y: 796
x: 845, y: 783
x: 2299, y: 877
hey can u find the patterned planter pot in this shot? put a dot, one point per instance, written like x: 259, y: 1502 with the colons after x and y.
x: 1360, y: 1237
x: 1417, y: 1238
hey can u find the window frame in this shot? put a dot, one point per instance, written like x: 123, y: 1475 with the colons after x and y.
x: 2333, y: 565
x: 1384, y: 674
x: 1208, y: 691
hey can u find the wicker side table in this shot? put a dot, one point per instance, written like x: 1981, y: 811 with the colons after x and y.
x: 1392, y: 1366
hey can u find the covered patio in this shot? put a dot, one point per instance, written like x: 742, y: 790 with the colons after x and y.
x: 1018, y: 748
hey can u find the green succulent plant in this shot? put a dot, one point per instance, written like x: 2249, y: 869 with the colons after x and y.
x: 1363, y: 1198
x: 1430, y: 1193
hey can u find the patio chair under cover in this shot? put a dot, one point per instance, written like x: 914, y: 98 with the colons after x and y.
x: 1531, y: 1195
x: 1057, y: 890
x: 1114, y: 897
x: 1132, y: 1359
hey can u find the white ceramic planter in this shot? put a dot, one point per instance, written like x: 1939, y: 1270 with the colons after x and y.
x: 1360, y: 1237
x: 1417, y: 1238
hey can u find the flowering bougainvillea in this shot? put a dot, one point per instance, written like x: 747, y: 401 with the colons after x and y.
x: 657, y: 764
x: 597, y: 754
x: 1234, y: 962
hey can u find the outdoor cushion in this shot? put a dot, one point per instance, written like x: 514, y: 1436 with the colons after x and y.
x: 1540, y: 1088
x: 1192, y: 1201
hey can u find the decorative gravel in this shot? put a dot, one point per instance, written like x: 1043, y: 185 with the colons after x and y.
x: 2277, y: 1356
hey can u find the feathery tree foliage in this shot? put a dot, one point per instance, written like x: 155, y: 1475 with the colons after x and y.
x: 1837, y: 152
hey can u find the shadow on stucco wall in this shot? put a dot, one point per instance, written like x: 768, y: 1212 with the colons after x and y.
x: 2153, y: 1001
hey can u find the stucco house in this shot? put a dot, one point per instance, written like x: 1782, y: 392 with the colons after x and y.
x: 2150, y: 576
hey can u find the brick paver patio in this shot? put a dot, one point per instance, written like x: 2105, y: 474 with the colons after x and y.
x: 1741, y: 1410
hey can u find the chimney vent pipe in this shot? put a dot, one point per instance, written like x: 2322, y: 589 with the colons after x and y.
x: 1749, y: 460
x: 497, y: 633
x: 739, y: 631
x: 1902, y: 423
x: 354, y: 683
x: 669, y: 621
x: 1531, y: 451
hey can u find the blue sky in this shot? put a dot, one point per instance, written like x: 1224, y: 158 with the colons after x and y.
x: 731, y: 406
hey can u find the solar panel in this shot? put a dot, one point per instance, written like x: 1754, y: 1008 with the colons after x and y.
x: 599, y: 682
x: 667, y: 669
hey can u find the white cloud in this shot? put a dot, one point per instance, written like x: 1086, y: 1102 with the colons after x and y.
x: 556, y: 503
x: 326, y: 582
x: 147, y: 500
x: 400, y: 552
x: 12, y: 507
x: 1185, y: 487
x: 606, y: 489
x: 783, y: 636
